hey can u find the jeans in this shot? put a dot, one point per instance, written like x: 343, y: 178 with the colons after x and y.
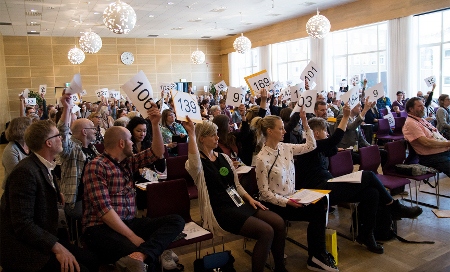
x: 157, y: 233
x: 440, y: 161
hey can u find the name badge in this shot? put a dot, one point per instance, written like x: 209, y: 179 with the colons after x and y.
x: 237, y: 199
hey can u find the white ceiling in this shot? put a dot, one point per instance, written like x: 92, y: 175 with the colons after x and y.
x: 67, y: 18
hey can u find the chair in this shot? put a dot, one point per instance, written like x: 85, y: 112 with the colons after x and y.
x: 403, y: 114
x: 383, y: 111
x: 370, y: 161
x: 166, y: 152
x: 176, y: 170
x: 100, y: 148
x: 158, y: 205
x: 383, y: 131
x: 396, y: 155
x: 399, y: 122
x: 182, y: 149
x: 342, y: 164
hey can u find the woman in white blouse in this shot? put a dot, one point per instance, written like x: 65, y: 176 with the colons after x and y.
x: 275, y: 174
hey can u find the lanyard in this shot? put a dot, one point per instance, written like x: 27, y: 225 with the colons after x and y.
x: 270, y: 170
x: 427, y: 125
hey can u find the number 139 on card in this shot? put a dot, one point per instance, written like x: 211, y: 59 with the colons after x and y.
x: 259, y: 81
x: 186, y: 104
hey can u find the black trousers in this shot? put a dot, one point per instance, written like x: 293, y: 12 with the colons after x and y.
x: 157, y: 233
x: 315, y: 214
x: 370, y: 193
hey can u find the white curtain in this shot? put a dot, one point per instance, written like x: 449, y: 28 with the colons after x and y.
x: 233, y: 69
x: 319, y: 57
x: 400, y: 57
x: 265, y: 59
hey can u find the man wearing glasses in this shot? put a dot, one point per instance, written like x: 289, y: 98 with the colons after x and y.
x: 77, y: 151
x: 29, y: 210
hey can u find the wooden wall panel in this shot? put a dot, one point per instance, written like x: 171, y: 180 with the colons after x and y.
x: 5, y: 114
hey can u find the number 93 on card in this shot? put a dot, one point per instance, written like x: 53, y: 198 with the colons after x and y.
x: 186, y: 105
x: 259, y: 81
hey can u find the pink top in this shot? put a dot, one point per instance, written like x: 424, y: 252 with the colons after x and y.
x: 415, y: 128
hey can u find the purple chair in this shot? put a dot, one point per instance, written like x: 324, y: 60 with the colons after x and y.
x: 342, y: 164
x: 176, y: 170
x: 171, y: 197
x: 399, y: 122
x: 370, y: 161
x: 182, y: 149
x: 383, y: 111
x: 403, y: 114
x: 383, y: 132
x: 396, y: 155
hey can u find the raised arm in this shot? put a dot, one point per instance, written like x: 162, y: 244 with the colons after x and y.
x: 157, y: 142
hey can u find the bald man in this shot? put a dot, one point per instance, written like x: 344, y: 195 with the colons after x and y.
x: 77, y: 151
x: 109, y: 219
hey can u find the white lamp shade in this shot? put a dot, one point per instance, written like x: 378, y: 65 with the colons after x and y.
x: 318, y: 26
x: 198, y: 57
x: 119, y: 17
x: 90, y: 42
x: 242, y: 44
x: 76, y: 55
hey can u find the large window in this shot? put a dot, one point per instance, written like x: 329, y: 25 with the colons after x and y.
x: 433, y: 39
x: 360, y: 51
x: 289, y: 59
x: 248, y: 64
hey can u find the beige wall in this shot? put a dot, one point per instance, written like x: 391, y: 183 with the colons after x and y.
x: 31, y: 61
x: 4, y: 105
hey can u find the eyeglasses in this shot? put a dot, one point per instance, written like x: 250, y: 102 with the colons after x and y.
x: 54, y: 136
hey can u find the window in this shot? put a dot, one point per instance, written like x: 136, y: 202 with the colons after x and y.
x: 433, y: 39
x: 359, y: 51
x: 289, y: 59
x: 248, y: 64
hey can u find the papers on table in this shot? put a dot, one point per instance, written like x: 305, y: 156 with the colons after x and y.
x: 143, y: 186
x: 354, y: 177
x: 306, y: 196
x: 192, y: 230
x: 442, y: 213
x: 243, y: 169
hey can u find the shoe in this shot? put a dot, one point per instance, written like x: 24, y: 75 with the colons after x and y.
x: 174, y: 256
x: 167, y: 261
x: 370, y: 243
x: 128, y: 264
x: 331, y: 209
x: 399, y: 210
x: 322, y: 262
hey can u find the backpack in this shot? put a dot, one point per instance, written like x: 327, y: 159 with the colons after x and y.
x: 386, y: 227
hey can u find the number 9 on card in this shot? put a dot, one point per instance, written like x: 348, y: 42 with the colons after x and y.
x: 186, y: 105
x: 259, y: 81
x: 235, y: 97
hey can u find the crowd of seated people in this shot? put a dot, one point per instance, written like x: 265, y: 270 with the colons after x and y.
x: 97, y: 187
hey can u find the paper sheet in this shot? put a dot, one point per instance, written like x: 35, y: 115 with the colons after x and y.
x: 442, y: 213
x: 192, y: 230
x: 243, y: 169
x: 354, y: 177
x: 305, y: 196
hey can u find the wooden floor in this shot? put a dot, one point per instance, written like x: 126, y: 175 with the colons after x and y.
x: 353, y: 257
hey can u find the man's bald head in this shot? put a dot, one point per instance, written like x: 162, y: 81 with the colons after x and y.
x: 79, y: 124
x: 113, y: 135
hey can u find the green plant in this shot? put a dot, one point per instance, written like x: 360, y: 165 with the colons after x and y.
x: 212, y: 89
x: 38, y: 97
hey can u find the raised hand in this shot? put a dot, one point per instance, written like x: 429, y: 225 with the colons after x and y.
x: 189, y: 126
x: 154, y: 114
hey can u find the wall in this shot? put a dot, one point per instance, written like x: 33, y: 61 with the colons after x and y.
x: 4, y: 105
x: 31, y: 61
x: 350, y: 15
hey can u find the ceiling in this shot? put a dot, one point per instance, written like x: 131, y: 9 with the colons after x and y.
x: 182, y: 19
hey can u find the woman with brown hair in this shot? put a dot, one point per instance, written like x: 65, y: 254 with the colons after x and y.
x: 17, y: 149
x: 443, y: 116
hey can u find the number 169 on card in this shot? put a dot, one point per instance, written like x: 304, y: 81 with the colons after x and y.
x: 259, y: 81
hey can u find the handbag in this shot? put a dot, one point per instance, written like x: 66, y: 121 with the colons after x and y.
x: 215, y: 262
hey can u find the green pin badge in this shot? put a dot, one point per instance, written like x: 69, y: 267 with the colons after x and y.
x: 223, y: 171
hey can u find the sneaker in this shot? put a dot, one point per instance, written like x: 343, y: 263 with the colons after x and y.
x: 167, y: 261
x: 399, y: 210
x: 322, y: 262
x: 128, y: 264
x: 174, y: 256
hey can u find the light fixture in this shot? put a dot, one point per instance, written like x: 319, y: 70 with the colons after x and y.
x: 119, y: 17
x: 76, y: 55
x: 90, y: 42
x: 197, y: 57
x: 242, y: 44
x: 318, y: 26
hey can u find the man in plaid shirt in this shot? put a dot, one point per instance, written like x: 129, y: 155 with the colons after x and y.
x: 111, y: 228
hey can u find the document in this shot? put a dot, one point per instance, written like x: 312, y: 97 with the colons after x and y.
x: 306, y: 196
x: 243, y: 169
x: 442, y: 213
x: 354, y: 177
x: 192, y: 230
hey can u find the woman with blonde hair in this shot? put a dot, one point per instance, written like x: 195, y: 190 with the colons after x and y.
x: 222, y: 197
x: 275, y: 174
x: 17, y: 149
